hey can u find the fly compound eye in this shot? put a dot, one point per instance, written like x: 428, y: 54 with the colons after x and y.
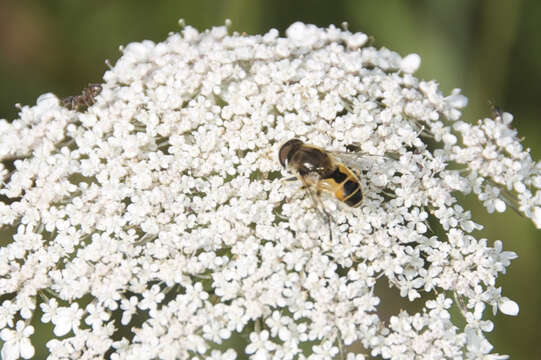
x: 283, y: 158
x: 287, y: 150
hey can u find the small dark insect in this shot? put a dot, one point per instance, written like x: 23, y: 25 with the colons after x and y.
x: 85, y: 100
x: 495, y: 110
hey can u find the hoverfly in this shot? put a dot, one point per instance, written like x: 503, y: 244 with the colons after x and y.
x: 319, y: 170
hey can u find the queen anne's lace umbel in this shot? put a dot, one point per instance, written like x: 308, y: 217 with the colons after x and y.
x: 162, y: 207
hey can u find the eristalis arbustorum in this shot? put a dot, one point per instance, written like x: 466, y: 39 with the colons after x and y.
x: 317, y: 169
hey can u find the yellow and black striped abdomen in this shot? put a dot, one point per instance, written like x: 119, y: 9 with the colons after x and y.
x: 344, y: 185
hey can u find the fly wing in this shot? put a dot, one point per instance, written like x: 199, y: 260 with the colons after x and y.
x: 358, y: 160
x: 362, y: 162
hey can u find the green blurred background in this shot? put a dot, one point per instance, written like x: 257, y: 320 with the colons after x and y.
x: 490, y: 49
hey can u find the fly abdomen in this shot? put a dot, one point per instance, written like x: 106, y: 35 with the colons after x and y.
x: 347, y: 188
x: 353, y: 194
x: 338, y: 175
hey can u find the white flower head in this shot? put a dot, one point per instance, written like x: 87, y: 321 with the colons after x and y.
x: 160, y: 196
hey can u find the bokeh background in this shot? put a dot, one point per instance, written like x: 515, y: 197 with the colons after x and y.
x: 490, y: 49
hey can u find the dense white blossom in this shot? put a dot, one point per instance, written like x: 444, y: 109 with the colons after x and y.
x: 154, y: 222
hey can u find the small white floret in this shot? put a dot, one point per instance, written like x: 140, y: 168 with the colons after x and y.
x: 508, y: 307
x: 499, y: 205
x: 410, y: 63
x: 537, y: 217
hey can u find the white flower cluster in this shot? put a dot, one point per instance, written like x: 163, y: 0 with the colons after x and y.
x: 155, y: 224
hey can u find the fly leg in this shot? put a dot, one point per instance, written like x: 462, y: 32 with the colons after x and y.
x: 316, y: 199
x: 293, y: 178
x: 278, y: 204
x: 320, y: 207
